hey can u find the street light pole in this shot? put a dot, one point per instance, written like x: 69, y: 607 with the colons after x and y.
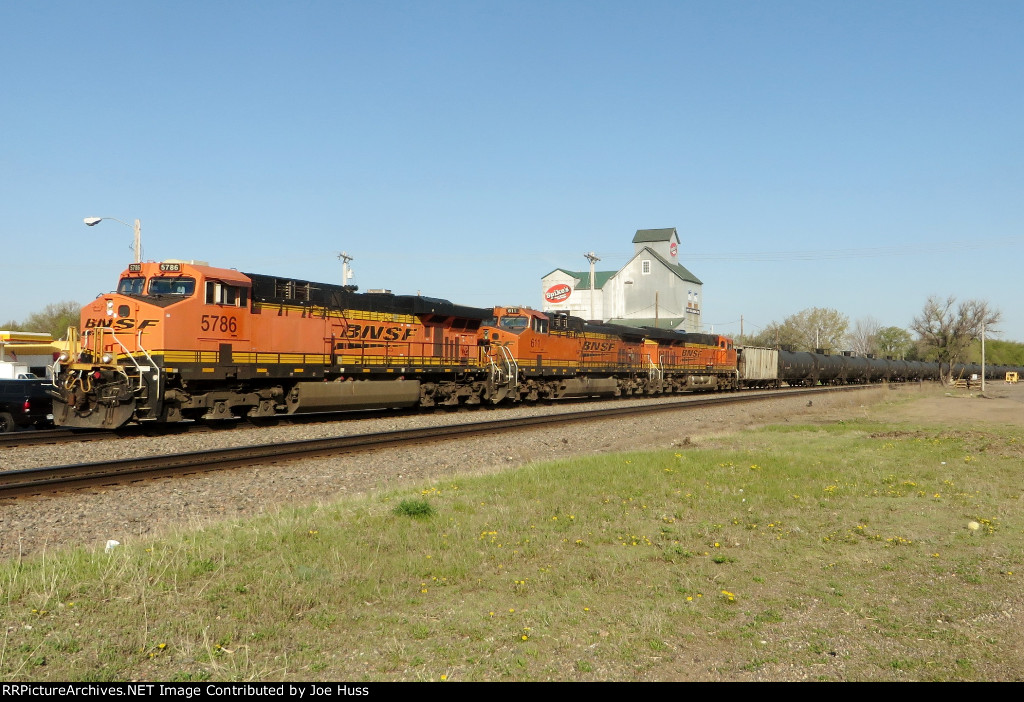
x: 137, y: 243
x: 592, y: 257
x: 346, y: 272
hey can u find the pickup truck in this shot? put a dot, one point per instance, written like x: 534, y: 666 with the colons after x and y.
x: 24, y: 403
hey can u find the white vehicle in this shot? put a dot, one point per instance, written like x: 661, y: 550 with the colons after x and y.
x: 14, y: 371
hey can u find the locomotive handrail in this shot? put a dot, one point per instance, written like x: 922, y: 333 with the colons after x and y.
x: 152, y: 364
x: 511, y: 369
x: 656, y: 370
x: 130, y: 357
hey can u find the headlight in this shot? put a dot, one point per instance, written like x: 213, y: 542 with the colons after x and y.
x: 106, y: 358
x: 110, y: 308
x: 63, y: 358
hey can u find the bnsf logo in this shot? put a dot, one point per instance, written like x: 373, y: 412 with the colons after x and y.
x: 558, y: 293
x: 120, y: 324
x: 598, y: 345
x: 368, y: 331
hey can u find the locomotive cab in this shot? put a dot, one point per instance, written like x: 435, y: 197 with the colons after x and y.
x: 119, y: 369
x: 513, y: 321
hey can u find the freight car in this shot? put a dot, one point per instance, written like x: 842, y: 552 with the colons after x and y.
x: 761, y: 367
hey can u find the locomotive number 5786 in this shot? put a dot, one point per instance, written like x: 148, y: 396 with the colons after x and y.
x: 215, y: 323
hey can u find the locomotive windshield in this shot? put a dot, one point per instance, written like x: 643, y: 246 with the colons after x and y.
x: 514, y: 324
x: 131, y: 286
x: 172, y: 286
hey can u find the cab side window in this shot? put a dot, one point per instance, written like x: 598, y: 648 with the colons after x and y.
x: 223, y: 294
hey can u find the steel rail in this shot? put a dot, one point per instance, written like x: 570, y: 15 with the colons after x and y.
x: 39, y: 437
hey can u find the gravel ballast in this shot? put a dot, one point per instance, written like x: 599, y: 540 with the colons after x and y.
x: 90, y: 517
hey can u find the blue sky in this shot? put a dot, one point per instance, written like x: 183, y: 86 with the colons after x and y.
x: 859, y: 155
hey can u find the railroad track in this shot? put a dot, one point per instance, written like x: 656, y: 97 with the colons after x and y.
x: 39, y: 481
x: 44, y: 437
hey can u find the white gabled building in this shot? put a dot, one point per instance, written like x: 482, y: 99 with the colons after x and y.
x: 652, y: 289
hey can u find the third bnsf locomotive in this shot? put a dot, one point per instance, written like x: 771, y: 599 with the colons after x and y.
x: 183, y: 340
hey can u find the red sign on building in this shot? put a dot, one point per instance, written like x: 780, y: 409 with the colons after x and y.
x: 558, y: 293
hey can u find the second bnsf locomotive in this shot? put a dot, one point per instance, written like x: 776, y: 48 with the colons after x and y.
x: 183, y: 340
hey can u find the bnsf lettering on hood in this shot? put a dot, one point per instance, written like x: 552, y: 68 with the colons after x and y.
x: 119, y: 324
x: 378, y: 332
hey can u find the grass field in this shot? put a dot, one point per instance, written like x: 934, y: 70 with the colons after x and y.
x: 868, y: 549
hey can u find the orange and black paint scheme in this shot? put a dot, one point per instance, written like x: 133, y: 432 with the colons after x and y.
x: 182, y: 340
x: 558, y: 356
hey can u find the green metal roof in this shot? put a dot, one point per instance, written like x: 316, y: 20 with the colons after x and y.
x: 646, y: 236
x: 600, y: 278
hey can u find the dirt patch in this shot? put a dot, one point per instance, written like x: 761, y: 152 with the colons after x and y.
x: 1000, y: 404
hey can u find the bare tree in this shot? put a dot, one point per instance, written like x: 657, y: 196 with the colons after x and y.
x: 947, y: 329
x: 863, y: 338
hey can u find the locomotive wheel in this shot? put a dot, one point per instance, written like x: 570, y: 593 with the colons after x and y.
x: 6, y: 422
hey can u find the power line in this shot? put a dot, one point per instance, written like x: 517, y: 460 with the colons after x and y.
x: 917, y: 249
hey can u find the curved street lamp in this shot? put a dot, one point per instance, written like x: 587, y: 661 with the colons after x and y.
x: 137, y: 246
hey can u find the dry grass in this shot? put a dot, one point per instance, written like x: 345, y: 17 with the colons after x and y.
x: 829, y: 552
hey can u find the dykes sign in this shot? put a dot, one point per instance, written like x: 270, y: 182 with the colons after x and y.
x: 558, y: 293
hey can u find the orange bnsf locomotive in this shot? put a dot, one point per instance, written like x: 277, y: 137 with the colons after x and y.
x: 182, y: 340
x: 539, y: 356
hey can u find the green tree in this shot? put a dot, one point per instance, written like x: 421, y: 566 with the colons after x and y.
x: 893, y: 341
x: 54, y: 319
x: 807, y: 330
x: 814, y: 328
x: 997, y: 353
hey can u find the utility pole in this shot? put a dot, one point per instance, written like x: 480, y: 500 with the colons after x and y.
x: 592, y: 257
x: 982, y: 358
x: 138, y: 241
x: 345, y: 272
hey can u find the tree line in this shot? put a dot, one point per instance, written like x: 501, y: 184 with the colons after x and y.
x: 53, y: 319
x: 946, y: 331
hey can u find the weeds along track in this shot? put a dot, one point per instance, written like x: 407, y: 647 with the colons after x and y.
x: 55, y: 479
